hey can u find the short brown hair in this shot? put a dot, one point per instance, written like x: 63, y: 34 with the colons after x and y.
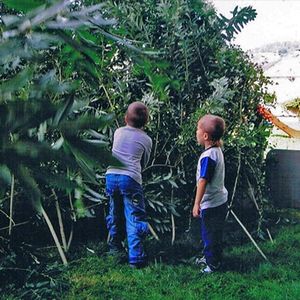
x: 213, y: 125
x: 137, y: 114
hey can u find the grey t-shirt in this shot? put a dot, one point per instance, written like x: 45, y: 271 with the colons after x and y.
x: 132, y: 146
x: 211, y: 167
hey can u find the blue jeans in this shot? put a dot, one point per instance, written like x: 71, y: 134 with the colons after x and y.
x: 212, y: 226
x: 126, y: 200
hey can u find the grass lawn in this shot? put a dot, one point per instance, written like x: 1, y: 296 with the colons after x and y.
x: 246, y: 275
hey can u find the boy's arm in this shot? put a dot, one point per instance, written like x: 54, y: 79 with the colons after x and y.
x: 207, y: 169
x: 146, y: 155
x: 199, y: 195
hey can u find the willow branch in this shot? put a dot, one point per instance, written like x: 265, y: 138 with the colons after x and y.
x: 55, y: 238
x: 12, y: 188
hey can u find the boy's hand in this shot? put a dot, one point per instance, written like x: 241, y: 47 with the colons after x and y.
x: 196, y: 211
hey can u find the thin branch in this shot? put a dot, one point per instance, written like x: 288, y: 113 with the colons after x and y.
x: 153, y: 232
x: 159, y: 165
x: 70, y: 237
x: 249, y: 235
x: 55, y: 238
x: 156, y: 139
x: 270, y: 237
x: 235, y: 183
x: 74, y: 219
x: 60, y: 221
x: 172, y: 219
x: 14, y: 225
x: 110, y: 103
x: 12, y: 188
x: 6, y: 215
x: 252, y: 195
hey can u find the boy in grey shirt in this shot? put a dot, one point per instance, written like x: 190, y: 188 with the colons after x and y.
x: 132, y: 146
x: 211, y: 196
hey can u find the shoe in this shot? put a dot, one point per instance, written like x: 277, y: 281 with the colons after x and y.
x: 207, y: 270
x: 211, y: 268
x: 201, y: 261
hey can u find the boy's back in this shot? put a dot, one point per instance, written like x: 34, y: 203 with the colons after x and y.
x: 132, y: 146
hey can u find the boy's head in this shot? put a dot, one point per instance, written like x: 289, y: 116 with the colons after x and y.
x: 137, y: 115
x: 210, y: 129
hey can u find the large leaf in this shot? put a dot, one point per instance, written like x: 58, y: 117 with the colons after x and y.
x: 58, y: 181
x: 85, y: 122
x: 19, y: 116
x: 28, y: 182
x: 239, y: 19
x: 23, y: 5
x: 33, y: 154
x: 5, y: 175
x: 96, y: 153
x: 64, y: 110
x: 15, y: 83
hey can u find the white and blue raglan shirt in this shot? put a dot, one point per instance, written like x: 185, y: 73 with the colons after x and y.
x: 211, y: 167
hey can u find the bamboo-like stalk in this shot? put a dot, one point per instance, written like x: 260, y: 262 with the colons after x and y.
x: 270, y: 237
x: 70, y: 238
x: 153, y: 232
x: 173, y: 229
x: 74, y: 219
x: 14, y: 225
x: 60, y: 222
x: 172, y: 220
x: 55, y: 238
x: 252, y: 194
x: 249, y: 235
x: 6, y: 215
x: 235, y: 184
x: 12, y: 190
x: 72, y: 208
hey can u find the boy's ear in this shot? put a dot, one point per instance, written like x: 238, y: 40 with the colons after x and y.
x: 125, y: 119
x: 205, y: 136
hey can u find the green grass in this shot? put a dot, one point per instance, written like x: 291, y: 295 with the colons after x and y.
x: 246, y: 276
x: 172, y: 274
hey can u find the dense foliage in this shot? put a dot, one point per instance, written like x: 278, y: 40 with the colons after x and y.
x: 66, y: 68
x: 196, y: 71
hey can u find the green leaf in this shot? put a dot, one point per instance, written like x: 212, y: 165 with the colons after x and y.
x: 17, y: 82
x: 5, y: 175
x: 80, y: 208
x: 64, y: 110
x: 71, y: 128
x: 19, y: 116
x: 28, y: 182
x: 23, y: 5
x: 56, y: 180
x: 91, y: 154
x: 58, y: 144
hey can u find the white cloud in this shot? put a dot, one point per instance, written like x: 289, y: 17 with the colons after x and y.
x: 276, y: 21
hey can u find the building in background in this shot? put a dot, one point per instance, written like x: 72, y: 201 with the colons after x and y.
x: 273, y: 41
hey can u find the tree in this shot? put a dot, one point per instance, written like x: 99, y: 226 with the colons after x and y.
x: 196, y: 71
x: 50, y: 140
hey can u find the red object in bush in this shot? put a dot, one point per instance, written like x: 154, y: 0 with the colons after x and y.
x: 264, y: 112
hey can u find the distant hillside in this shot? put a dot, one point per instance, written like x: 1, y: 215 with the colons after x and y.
x: 278, y: 47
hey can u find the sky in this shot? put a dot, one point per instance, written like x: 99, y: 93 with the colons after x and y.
x: 276, y: 21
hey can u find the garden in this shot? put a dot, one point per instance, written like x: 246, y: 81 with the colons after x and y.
x: 69, y: 70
